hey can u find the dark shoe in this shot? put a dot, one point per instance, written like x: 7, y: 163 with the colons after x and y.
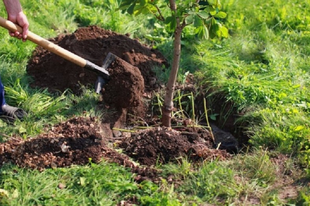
x: 9, y: 114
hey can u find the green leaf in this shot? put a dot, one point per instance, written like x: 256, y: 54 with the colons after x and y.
x: 202, y: 32
x: 213, y: 116
x: 198, y: 22
x: 221, y: 15
x: 219, y: 30
x: 213, y: 12
x: 22, y: 130
x: 190, y: 19
x: 142, y: 2
x: 173, y: 24
x: 139, y: 9
x: 150, y: 8
x: 130, y: 10
x: 203, y: 14
x: 224, y: 32
x: 208, y: 9
x: 298, y: 128
x: 168, y: 20
x: 82, y: 181
x: 125, y: 3
x: 214, y: 27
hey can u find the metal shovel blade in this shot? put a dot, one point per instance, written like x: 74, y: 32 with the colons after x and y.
x: 106, y: 63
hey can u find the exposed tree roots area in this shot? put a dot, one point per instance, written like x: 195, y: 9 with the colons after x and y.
x: 126, y: 97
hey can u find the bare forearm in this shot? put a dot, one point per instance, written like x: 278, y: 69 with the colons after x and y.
x: 13, y: 7
x: 16, y: 15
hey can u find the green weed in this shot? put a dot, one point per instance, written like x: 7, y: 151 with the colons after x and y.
x: 210, y: 183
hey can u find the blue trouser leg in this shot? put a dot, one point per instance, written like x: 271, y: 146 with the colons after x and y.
x: 2, y: 100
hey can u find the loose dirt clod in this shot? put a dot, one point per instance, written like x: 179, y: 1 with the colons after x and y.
x: 126, y: 85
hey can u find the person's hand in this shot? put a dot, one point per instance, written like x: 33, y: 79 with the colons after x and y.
x: 21, y: 20
x: 17, y: 16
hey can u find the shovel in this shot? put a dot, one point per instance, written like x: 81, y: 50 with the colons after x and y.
x: 103, y: 74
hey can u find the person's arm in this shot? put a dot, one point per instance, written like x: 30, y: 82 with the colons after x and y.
x: 16, y: 15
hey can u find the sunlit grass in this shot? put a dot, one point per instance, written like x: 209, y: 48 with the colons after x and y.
x: 102, y: 184
x: 93, y: 184
x: 263, y: 68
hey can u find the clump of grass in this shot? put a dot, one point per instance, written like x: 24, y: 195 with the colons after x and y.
x: 93, y: 184
x: 285, y: 129
x: 210, y: 183
x: 44, y: 108
x: 47, y: 25
x: 256, y: 166
x: 181, y: 170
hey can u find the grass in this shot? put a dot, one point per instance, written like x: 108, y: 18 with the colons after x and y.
x: 93, y: 184
x: 263, y: 68
x: 61, y: 186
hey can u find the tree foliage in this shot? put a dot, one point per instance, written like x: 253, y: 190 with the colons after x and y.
x: 205, y: 16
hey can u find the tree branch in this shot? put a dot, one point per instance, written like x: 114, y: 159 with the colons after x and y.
x: 173, y: 6
x: 160, y: 16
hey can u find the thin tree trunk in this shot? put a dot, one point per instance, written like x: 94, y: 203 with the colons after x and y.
x: 168, y: 102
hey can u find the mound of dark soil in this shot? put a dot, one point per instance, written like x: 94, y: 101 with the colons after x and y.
x: 75, y: 142
x: 92, y: 43
x: 131, y: 73
x: 162, y: 145
x: 79, y: 141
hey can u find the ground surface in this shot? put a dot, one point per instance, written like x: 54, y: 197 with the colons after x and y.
x: 81, y: 140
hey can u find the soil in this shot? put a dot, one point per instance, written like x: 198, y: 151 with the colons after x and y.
x: 77, y: 141
x: 131, y: 82
x: 92, y: 43
x: 125, y: 87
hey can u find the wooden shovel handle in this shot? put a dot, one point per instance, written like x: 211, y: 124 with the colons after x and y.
x: 45, y: 43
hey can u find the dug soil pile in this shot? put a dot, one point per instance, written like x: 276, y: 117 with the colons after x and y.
x: 81, y: 140
x: 92, y: 43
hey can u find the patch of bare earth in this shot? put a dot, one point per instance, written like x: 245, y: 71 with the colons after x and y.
x: 289, y: 178
x: 289, y: 181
